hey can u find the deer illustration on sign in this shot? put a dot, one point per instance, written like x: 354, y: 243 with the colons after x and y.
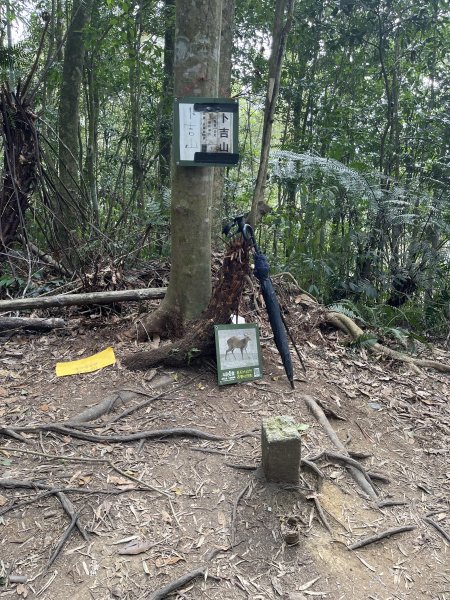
x: 236, y: 342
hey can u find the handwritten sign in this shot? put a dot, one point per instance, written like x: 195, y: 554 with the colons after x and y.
x: 206, y: 132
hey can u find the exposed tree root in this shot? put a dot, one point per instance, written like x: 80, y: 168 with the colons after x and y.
x: 348, y: 326
x: 357, y: 471
x: 199, y: 339
x: 184, y: 579
x: 380, y: 536
x: 90, y: 437
x: 165, y: 322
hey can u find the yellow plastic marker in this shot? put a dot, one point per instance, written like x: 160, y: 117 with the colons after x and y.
x: 86, y: 365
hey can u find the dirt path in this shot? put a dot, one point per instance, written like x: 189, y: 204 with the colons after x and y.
x: 399, y: 418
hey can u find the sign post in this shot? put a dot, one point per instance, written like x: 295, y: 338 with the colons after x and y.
x: 206, y: 132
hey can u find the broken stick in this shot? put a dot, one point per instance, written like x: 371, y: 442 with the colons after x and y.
x: 380, y: 536
x: 181, y: 581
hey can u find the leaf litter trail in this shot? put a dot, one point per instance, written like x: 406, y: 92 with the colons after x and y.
x: 176, y: 501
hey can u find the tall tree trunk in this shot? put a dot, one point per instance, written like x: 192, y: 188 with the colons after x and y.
x: 166, y: 105
x: 134, y: 35
x: 90, y: 164
x: 281, y: 26
x: 67, y: 215
x: 226, y: 52
x: 196, y: 73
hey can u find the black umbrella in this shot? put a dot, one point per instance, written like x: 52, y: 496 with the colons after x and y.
x: 276, y: 319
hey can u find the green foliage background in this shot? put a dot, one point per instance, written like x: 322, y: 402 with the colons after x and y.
x: 359, y: 179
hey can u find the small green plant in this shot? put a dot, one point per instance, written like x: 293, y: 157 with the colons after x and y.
x: 365, y: 340
x: 192, y: 354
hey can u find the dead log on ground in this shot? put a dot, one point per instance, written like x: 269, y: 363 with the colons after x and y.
x: 12, y: 323
x: 83, y: 299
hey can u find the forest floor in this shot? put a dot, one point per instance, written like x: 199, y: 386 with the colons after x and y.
x: 162, y: 505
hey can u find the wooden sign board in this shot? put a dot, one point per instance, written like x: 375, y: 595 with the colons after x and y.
x: 206, y: 132
x: 238, y: 353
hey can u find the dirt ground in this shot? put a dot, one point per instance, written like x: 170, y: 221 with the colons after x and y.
x: 174, y: 499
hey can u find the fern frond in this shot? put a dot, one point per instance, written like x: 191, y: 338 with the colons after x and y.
x: 365, y: 340
x: 343, y: 310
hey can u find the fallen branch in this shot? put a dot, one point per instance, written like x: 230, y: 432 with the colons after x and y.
x: 380, y: 536
x: 70, y: 510
x: 348, y: 326
x: 438, y: 528
x: 44, y: 257
x: 320, y: 513
x: 357, y: 472
x: 83, y: 299
x: 145, y: 403
x: 62, y: 541
x: 12, y: 323
x: 181, y: 581
x: 387, y: 503
x: 12, y: 507
x: 234, y: 513
x: 36, y: 485
x: 103, y: 461
x: 241, y: 467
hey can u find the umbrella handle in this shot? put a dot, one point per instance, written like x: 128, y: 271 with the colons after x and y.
x: 247, y: 231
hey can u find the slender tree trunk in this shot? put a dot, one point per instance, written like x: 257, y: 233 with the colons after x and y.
x: 281, y: 25
x: 11, y: 72
x: 134, y: 35
x: 67, y: 215
x: 226, y: 52
x: 90, y: 165
x: 166, y: 105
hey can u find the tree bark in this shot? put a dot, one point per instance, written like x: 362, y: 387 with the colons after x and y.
x: 20, y: 158
x: 196, y: 73
x: 11, y: 323
x: 281, y: 26
x: 166, y: 105
x: 199, y: 340
x: 134, y: 36
x: 226, y: 52
x: 67, y: 215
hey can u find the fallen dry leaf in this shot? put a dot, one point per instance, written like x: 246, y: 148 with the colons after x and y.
x: 21, y: 590
x: 164, y: 562
x: 12, y: 374
x: 84, y: 479
x: 119, y: 481
x: 221, y: 518
x: 3, y: 500
x: 166, y: 517
x: 136, y: 547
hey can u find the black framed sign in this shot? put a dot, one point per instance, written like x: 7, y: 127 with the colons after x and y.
x: 238, y: 353
x: 206, y: 132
